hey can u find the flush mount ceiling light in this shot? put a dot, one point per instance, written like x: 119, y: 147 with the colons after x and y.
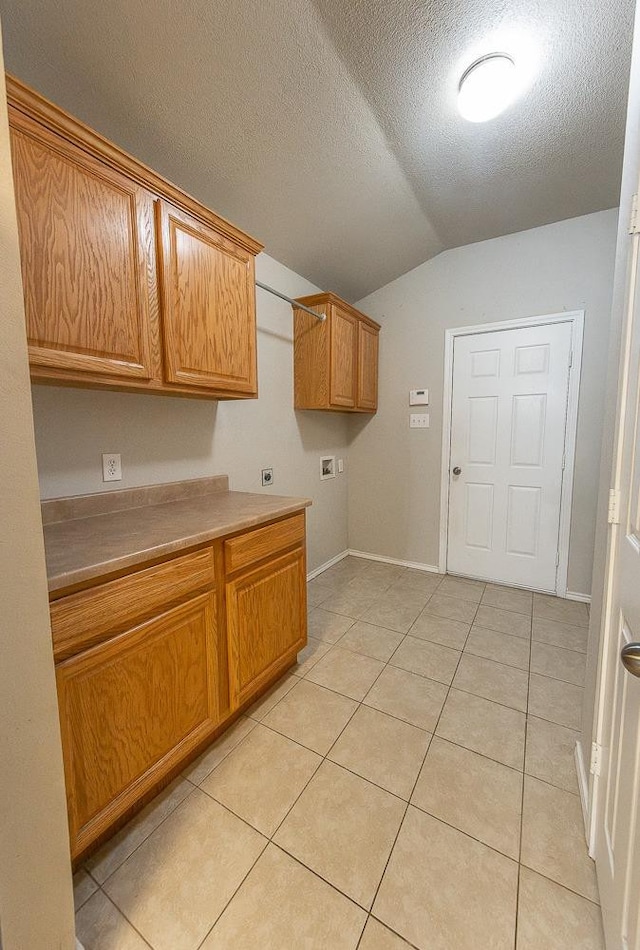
x: 487, y: 87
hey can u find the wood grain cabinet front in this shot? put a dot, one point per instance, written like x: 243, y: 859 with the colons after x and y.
x: 132, y: 708
x: 208, y: 306
x: 118, y: 295
x: 335, y: 360
x: 87, y: 249
x: 367, y: 397
x: 343, y: 355
x: 153, y: 664
x: 266, y: 598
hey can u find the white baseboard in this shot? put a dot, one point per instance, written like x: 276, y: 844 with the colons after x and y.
x: 583, y: 784
x: 415, y: 565
x: 328, y: 564
x: 581, y: 598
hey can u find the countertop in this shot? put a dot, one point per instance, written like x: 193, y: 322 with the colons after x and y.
x: 97, y: 535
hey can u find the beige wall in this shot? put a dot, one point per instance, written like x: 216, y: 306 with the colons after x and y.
x: 163, y: 439
x: 394, y: 499
x: 36, y: 904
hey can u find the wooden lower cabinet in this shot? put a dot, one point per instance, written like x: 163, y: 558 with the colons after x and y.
x: 152, y: 665
x: 133, y: 707
x: 266, y: 622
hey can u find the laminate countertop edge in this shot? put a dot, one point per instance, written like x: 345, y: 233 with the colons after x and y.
x: 81, y: 550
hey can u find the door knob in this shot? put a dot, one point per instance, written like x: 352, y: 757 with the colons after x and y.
x: 457, y: 470
x: 630, y: 656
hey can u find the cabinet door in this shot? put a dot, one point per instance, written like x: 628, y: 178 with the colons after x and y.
x: 88, y: 261
x: 343, y: 356
x: 266, y: 619
x: 367, y: 367
x: 208, y: 306
x: 133, y: 707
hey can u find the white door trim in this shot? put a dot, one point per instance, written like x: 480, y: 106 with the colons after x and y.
x: 576, y: 318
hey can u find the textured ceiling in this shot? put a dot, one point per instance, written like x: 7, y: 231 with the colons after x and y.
x: 328, y: 129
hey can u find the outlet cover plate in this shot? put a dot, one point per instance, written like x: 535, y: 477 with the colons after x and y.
x: 419, y: 420
x: 111, y: 467
x: 267, y: 477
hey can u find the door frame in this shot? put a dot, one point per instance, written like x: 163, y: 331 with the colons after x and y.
x: 576, y: 319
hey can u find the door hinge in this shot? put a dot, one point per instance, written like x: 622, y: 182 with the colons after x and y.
x: 596, y: 758
x: 564, y: 460
x: 614, y: 506
x: 557, y: 558
x: 570, y: 358
x: 634, y: 223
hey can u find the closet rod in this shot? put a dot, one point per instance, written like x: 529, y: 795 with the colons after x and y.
x: 294, y: 303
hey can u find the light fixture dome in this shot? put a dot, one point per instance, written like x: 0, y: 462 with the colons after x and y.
x: 487, y: 87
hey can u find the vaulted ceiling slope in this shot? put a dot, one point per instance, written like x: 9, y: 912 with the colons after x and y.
x: 329, y: 129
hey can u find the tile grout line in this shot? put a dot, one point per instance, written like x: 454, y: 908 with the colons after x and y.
x: 406, y: 723
x: 270, y: 838
x: 372, y: 916
x: 141, y: 842
x: 395, y: 840
x: 325, y: 757
x: 234, y: 892
x: 122, y: 914
x: 524, y: 767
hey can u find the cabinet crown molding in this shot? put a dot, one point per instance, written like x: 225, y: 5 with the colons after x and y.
x: 328, y: 297
x: 21, y: 98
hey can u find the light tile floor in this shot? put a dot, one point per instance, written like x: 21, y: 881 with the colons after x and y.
x: 410, y: 784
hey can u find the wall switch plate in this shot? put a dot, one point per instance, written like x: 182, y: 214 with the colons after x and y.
x: 111, y: 467
x: 340, y: 466
x: 267, y: 476
x: 327, y: 467
x: 418, y: 397
x: 419, y: 420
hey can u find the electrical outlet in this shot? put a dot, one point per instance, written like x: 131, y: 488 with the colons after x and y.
x: 340, y: 466
x: 111, y: 467
x: 267, y: 476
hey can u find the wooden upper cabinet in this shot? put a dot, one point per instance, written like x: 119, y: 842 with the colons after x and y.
x: 208, y: 306
x: 335, y: 360
x: 343, y: 354
x: 87, y: 245
x: 114, y: 298
x: 367, y: 367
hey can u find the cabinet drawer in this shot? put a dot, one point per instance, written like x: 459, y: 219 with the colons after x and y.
x: 90, y: 616
x: 255, y: 545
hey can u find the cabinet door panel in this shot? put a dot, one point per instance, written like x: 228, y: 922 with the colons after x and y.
x: 208, y: 306
x: 367, y: 367
x: 88, y: 257
x: 266, y: 618
x: 343, y: 349
x: 131, y: 707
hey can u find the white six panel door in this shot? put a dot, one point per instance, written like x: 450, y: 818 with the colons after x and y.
x: 508, y: 419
